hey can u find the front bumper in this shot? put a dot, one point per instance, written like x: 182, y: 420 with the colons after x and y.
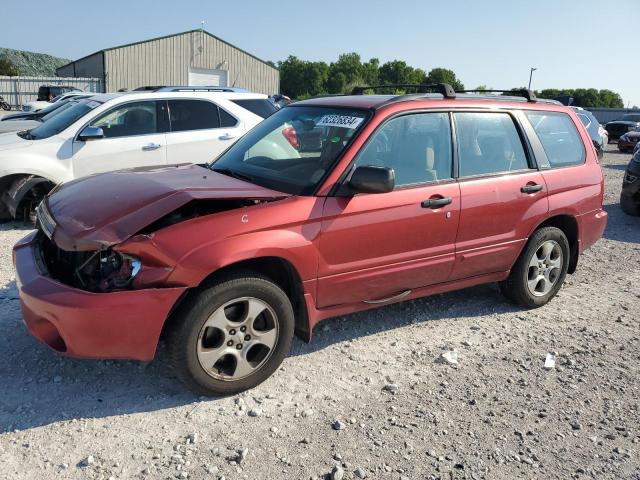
x: 116, y: 325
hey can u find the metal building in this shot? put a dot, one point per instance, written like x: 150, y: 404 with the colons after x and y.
x: 195, y: 57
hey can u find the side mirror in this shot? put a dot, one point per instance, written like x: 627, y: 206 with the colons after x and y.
x: 91, y: 133
x: 370, y: 179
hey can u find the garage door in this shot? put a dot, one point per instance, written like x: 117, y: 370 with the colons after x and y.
x: 202, y: 76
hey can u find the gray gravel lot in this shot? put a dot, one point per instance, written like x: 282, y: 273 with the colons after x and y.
x: 401, y: 414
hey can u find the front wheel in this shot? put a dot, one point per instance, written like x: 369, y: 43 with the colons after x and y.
x: 540, y: 270
x: 232, y: 335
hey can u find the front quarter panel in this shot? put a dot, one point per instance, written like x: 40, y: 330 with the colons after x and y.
x: 286, y: 228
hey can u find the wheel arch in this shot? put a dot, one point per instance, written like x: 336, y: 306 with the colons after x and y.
x: 569, y: 226
x: 15, y: 187
x: 279, y: 270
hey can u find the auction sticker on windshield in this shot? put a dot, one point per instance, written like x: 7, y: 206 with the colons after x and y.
x: 343, y: 121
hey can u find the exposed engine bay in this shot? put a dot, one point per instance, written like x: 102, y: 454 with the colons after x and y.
x: 99, y: 271
x: 107, y: 270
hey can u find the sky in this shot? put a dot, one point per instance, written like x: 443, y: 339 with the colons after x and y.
x: 572, y: 43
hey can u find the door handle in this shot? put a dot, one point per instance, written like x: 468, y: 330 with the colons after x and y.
x: 151, y: 146
x: 531, y: 188
x: 436, y: 202
x: 227, y: 136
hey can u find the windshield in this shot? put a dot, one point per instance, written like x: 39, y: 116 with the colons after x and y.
x: 294, y: 149
x: 60, y: 120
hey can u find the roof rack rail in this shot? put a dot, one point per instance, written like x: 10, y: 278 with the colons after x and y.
x: 519, y: 92
x: 444, y: 89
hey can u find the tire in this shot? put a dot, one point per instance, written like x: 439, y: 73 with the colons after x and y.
x: 6, y: 106
x: 517, y: 287
x: 629, y: 206
x: 235, y: 360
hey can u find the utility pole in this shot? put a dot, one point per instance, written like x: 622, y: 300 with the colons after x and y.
x: 533, y: 69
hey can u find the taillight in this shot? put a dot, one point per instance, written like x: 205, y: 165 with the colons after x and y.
x: 290, y: 134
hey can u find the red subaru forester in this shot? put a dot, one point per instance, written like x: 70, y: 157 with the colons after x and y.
x: 330, y: 206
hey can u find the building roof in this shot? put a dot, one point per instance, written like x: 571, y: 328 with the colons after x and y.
x: 168, y: 36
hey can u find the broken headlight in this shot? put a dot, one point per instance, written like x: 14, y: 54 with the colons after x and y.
x: 108, y: 270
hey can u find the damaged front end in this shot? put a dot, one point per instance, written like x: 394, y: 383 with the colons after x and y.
x: 99, y: 271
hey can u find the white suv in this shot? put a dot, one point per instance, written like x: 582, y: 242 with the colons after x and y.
x: 116, y: 131
x: 38, y: 105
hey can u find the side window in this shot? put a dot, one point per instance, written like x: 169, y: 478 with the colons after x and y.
x: 193, y: 115
x: 488, y: 143
x: 417, y: 147
x: 559, y: 137
x: 584, y: 119
x: 226, y: 119
x: 136, y: 118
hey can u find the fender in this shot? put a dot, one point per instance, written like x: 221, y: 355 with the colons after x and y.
x: 298, y: 250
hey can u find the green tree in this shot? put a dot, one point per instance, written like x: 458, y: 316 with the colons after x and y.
x: 482, y: 87
x: 8, y: 68
x: 444, y: 75
x: 398, y: 72
x: 301, y: 78
x: 346, y: 71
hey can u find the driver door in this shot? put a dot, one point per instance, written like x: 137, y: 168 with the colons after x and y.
x: 374, y: 247
x: 134, y: 136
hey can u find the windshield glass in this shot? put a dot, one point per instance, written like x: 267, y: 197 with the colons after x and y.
x: 61, y: 119
x: 294, y: 149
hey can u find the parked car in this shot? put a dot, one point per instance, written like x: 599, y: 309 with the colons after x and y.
x: 46, y: 93
x: 41, y: 113
x: 41, y: 105
x: 112, y: 131
x: 229, y: 259
x: 33, y: 120
x: 630, y: 195
x: 597, y: 132
x: 625, y: 124
x: 628, y: 141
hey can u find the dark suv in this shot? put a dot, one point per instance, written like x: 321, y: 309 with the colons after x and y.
x: 630, y: 195
x: 399, y: 197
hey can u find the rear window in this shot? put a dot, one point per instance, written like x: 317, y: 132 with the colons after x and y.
x: 559, y: 137
x: 261, y: 107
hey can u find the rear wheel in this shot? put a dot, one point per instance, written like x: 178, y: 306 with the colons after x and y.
x: 232, y: 335
x: 540, y: 270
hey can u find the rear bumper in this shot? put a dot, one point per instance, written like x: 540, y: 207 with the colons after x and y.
x: 116, y: 325
x: 591, y: 227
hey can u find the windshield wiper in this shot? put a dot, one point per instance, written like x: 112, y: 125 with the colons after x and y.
x: 231, y: 173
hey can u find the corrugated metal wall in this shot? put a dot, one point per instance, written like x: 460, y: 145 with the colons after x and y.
x: 605, y: 115
x: 18, y: 91
x: 166, y: 61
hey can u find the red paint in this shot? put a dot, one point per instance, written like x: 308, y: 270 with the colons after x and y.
x: 345, y: 251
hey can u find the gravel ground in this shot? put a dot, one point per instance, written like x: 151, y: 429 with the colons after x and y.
x: 367, y: 398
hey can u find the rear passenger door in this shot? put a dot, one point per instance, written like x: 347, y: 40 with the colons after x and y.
x: 503, y: 195
x: 200, y: 130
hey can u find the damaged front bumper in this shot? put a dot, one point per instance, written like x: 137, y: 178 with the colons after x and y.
x: 115, y: 325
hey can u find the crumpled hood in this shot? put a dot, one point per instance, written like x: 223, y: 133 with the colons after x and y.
x: 106, y: 209
x: 11, y: 140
